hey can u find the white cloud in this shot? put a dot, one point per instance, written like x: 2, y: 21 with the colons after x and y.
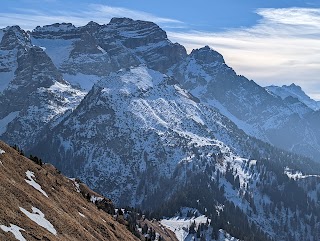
x: 104, y: 10
x: 292, y: 16
x: 283, y: 47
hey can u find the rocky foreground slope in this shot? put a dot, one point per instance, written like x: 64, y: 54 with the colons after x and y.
x: 38, y: 203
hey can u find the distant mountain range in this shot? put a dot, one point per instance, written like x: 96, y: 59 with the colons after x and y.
x: 137, y: 118
x: 295, y: 92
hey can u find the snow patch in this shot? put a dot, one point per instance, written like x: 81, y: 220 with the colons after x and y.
x: 180, y: 225
x: 38, y: 217
x: 85, y: 82
x: 32, y: 182
x: 2, y: 152
x: 72, y: 97
x: 101, y: 49
x: 76, y: 184
x: 6, y: 120
x: 59, y: 87
x: 135, y: 80
x: 15, y: 230
x: 297, y: 175
x: 224, y: 236
x: 5, y: 79
x: 1, y: 34
x: 57, y: 49
x: 93, y: 199
x: 81, y: 214
x: 252, y: 162
x: 247, y: 128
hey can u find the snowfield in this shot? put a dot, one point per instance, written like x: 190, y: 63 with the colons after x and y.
x: 297, y: 175
x: 94, y: 199
x: 38, y: 217
x: 6, y: 120
x: 33, y: 183
x: 180, y: 226
x: 76, y: 184
x: 15, y: 230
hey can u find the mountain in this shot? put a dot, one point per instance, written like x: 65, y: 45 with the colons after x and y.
x: 38, y: 203
x: 94, y: 50
x: 58, y: 64
x: 37, y: 93
x: 131, y: 123
x: 144, y: 141
x: 73, y: 59
x: 294, y: 91
x: 141, y: 121
x: 282, y: 123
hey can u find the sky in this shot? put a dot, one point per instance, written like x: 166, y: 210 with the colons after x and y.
x: 273, y: 42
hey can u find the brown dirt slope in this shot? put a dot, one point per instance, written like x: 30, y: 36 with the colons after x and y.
x: 72, y: 216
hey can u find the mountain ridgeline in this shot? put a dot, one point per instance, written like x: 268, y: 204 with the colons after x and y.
x: 148, y: 125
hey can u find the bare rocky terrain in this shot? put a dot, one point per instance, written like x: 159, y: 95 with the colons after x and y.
x: 72, y: 217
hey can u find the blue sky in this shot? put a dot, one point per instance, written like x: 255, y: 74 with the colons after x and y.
x: 269, y: 41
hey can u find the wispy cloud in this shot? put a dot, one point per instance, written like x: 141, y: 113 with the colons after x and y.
x: 103, y: 10
x: 283, y: 47
x: 29, y: 18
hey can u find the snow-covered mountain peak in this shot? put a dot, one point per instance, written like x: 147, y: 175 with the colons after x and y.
x: 91, y: 27
x: 200, y: 68
x: 14, y: 37
x: 146, y: 40
x: 86, y: 54
x: 294, y: 91
x: 207, y: 55
x: 92, y: 23
x: 293, y: 86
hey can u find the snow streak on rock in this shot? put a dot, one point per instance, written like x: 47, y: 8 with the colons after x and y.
x: 38, y: 217
x: 15, y: 230
x: 33, y: 183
